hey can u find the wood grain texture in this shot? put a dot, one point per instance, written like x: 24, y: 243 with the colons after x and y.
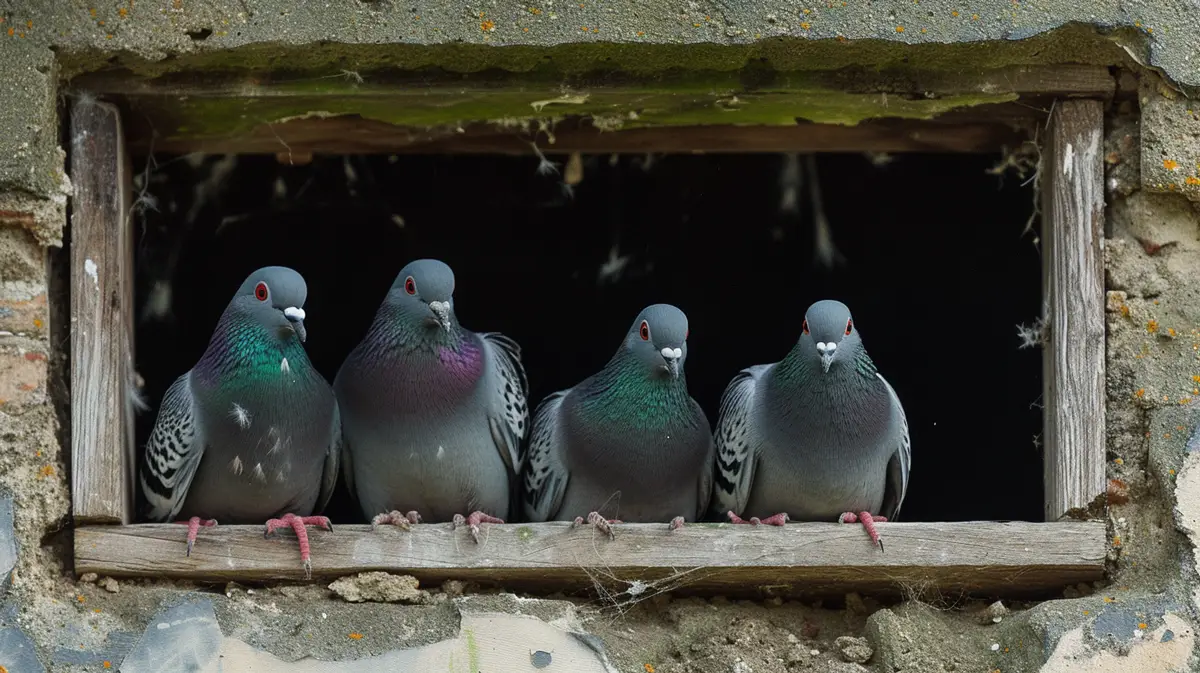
x: 799, y: 560
x: 1072, y: 180
x: 102, y: 460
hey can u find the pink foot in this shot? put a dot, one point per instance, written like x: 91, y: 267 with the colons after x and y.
x: 397, y: 519
x: 867, y: 521
x: 473, y: 522
x: 677, y: 523
x: 193, y: 525
x: 601, y: 524
x: 298, y: 523
x: 776, y: 520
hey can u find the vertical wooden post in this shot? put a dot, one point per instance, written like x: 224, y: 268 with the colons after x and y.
x: 102, y: 458
x: 1072, y: 181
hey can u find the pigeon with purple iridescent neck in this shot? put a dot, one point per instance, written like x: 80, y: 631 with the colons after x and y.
x: 434, y: 415
x: 628, y: 440
x: 251, y: 432
x: 817, y: 436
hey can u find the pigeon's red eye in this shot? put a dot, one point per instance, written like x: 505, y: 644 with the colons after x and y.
x: 410, y: 285
x: 805, y: 326
x: 849, y: 326
x: 260, y: 291
x: 644, y: 331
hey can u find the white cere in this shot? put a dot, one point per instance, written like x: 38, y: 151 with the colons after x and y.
x: 293, y: 313
x: 672, y: 353
x: 826, y: 347
x: 241, y: 415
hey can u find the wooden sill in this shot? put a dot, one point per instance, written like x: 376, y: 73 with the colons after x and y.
x: 811, y: 559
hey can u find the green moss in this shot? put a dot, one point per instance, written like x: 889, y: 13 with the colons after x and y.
x: 524, y: 533
x: 200, y: 117
x: 472, y: 651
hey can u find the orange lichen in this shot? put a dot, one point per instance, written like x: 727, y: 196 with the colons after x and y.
x: 1125, y: 310
x: 1171, y: 472
x: 1192, y: 180
x: 1119, y: 461
x: 805, y: 25
x: 1141, y: 392
x: 648, y: 667
x: 10, y: 31
x: 1171, y: 332
x: 1152, y: 326
x: 46, y: 471
x: 974, y: 17
x: 899, y: 29
x: 641, y: 33
x: 1086, y: 613
x: 1170, y: 165
x: 81, y: 598
x: 487, y: 25
x: 122, y: 12
x: 355, y: 636
x: 108, y: 664
x: 1109, y: 599
x: 534, y: 10
x: 954, y: 13
x: 1142, y: 625
x: 91, y: 10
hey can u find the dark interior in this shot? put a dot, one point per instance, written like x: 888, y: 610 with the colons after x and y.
x: 937, y: 269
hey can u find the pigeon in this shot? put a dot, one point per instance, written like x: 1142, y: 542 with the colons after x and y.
x: 251, y: 433
x: 434, y: 415
x: 820, y: 435
x: 630, y: 434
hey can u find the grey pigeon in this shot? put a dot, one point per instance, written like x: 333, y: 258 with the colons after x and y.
x: 251, y: 432
x: 818, y: 436
x: 433, y: 414
x: 629, y: 434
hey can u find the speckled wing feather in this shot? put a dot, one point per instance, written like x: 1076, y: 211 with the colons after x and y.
x: 737, y: 443
x: 172, y: 454
x: 509, y: 419
x: 546, y: 475
x: 900, y: 462
x: 333, y: 458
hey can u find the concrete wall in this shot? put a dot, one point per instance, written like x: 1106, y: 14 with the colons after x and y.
x: 1143, y: 620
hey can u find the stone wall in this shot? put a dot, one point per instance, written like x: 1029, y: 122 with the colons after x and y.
x: 1143, y: 620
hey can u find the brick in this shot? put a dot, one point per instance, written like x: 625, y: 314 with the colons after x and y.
x: 23, y: 313
x: 23, y: 376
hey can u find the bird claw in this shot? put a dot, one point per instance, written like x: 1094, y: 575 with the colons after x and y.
x: 299, y: 524
x: 194, y: 525
x: 395, y: 518
x: 473, y: 521
x: 779, y: 519
x: 599, y: 522
x: 868, y: 521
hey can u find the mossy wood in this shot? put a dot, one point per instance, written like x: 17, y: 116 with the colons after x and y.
x: 812, y: 559
x: 390, y: 110
x: 101, y: 318
x: 1072, y: 184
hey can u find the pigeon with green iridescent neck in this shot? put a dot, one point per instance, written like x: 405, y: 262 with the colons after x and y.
x: 251, y: 433
x: 627, y: 441
x: 818, y: 436
x: 434, y: 415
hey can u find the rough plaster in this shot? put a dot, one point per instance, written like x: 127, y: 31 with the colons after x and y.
x: 1143, y: 620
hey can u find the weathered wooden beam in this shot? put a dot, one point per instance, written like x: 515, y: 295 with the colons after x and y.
x: 355, y: 135
x: 1072, y: 184
x: 810, y: 559
x: 102, y: 441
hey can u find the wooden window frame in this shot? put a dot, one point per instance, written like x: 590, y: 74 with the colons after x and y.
x: 804, y: 559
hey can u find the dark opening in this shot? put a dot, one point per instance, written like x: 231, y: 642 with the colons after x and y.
x: 937, y: 269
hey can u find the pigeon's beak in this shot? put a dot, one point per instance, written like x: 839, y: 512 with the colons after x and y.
x: 441, y: 309
x: 672, y: 356
x: 295, y: 317
x: 827, y: 351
